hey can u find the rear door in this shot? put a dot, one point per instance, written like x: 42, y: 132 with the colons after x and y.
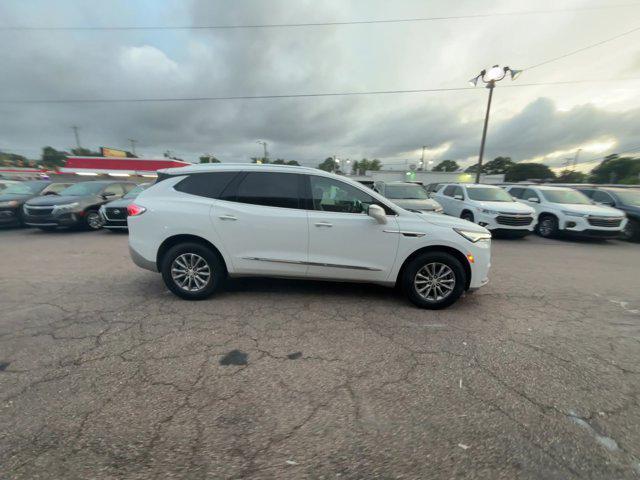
x: 262, y: 222
x: 344, y: 242
x: 456, y: 206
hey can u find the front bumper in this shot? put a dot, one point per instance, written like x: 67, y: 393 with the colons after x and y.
x: 504, y: 221
x: 481, y: 252
x: 53, y: 218
x: 9, y: 216
x: 113, y: 223
x: 592, y: 226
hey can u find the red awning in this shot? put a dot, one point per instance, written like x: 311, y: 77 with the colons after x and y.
x: 132, y: 166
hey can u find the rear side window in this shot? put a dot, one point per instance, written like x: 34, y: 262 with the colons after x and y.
x: 516, y: 192
x: 270, y: 189
x: 209, y: 185
x: 448, y: 190
x: 458, y: 191
x: 528, y: 193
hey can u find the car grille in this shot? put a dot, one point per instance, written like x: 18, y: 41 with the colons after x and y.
x: 116, y: 213
x: 39, y: 211
x: 514, y: 220
x: 604, y: 222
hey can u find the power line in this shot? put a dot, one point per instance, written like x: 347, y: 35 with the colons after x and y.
x: 588, y: 47
x: 316, y: 24
x: 298, y: 95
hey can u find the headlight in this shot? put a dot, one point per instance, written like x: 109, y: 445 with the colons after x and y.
x: 488, y: 211
x: 66, y: 207
x: 574, y: 214
x: 472, y: 235
x: 10, y: 203
x: 438, y: 210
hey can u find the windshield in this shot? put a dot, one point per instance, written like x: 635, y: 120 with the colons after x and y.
x: 487, y: 194
x: 84, y: 188
x: 566, y: 196
x: 22, y: 189
x: 133, y: 193
x: 405, y: 192
x: 629, y: 197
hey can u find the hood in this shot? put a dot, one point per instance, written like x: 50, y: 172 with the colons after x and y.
x: 597, y: 210
x: 416, y: 204
x: 15, y: 197
x: 119, y: 203
x: 46, y: 200
x: 506, y: 207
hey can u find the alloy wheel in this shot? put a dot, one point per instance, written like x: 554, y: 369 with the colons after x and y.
x: 546, y: 227
x: 435, y: 281
x: 94, y: 221
x: 190, y: 272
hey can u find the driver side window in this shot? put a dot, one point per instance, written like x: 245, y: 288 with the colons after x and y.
x: 329, y: 195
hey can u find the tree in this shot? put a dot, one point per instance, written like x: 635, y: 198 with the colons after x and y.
x: 497, y: 166
x: 447, y: 166
x: 569, y: 176
x: 529, y: 171
x: 361, y: 167
x: 85, y: 152
x: 329, y: 165
x: 14, y: 160
x: 615, y: 169
x: 52, y: 158
x: 208, y: 159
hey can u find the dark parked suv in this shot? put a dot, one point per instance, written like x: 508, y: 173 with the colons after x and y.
x: 625, y: 199
x: 16, y: 194
x: 114, y: 214
x: 75, y: 206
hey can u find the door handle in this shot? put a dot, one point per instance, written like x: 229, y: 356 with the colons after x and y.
x: 227, y: 217
x: 324, y: 224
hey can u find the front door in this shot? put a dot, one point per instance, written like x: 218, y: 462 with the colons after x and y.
x: 263, y: 224
x: 344, y: 242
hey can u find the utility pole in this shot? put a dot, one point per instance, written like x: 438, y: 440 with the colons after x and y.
x: 266, y: 152
x: 575, y: 160
x: 133, y: 145
x: 422, y: 158
x: 75, y: 131
x: 490, y: 86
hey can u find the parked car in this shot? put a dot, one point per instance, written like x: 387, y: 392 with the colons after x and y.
x: 75, y: 206
x: 432, y: 188
x: 410, y: 196
x: 114, y: 213
x: 563, y: 209
x: 624, y: 199
x: 199, y: 224
x: 13, y: 198
x: 55, y: 188
x: 4, y: 184
x: 488, y: 206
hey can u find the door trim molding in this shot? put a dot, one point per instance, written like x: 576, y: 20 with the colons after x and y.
x: 313, y: 264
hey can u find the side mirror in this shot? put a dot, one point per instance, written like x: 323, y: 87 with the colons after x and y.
x: 458, y: 197
x: 533, y: 199
x: 108, y: 195
x: 607, y: 204
x: 377, y: 212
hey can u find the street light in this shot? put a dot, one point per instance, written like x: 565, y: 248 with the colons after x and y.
x: 266, y: 153
x: 489, y: 78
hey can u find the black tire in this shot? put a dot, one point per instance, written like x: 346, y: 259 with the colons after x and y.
x: 547, y: 226
x: 89, y: 217
x: 631, y: 231
x: 217, y: 270
x: 47, y: 229
x: 424, y: 261
x: 466, y: 215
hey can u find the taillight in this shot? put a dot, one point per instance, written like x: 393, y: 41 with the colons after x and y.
x: 134, y: 210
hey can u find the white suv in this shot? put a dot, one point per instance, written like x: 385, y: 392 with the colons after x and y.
x: 568, y: 210
x: 486, y: 205
x: 200, y: 224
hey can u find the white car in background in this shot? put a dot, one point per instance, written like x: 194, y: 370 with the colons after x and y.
x: 486, y: 205
x: 199, y: 224
x: 563, y: 209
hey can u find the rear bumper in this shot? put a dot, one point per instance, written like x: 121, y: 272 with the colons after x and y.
x: 142, y: 262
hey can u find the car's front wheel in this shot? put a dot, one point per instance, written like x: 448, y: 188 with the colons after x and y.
x: 93, y: 220
x: 192, y: 271
x: 547, y: 227
x: 434, y: 280
x: 631, y: 230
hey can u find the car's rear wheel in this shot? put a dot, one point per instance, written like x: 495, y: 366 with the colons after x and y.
x: 192, y: 271
x: 547, y: 226
x: 434, y: 280
x: 92, y: 220
x: 631, y: 231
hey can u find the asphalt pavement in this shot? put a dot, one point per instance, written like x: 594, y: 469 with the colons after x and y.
x: 104, y: 374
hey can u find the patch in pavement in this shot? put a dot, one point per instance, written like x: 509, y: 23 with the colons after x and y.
x: 234, y: 357
x: 294, y: 355
x: 4, y: 365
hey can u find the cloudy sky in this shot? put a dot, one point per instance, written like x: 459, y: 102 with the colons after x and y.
x: 541, y: 123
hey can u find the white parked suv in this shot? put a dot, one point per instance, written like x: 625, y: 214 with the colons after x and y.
x: 563, y: 209
x: 486, y: 205
x: 199, y: 224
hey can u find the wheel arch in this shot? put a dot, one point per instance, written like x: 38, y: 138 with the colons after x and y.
x: 466, y: 210
x: 439, y: 248
x: 184, y: 238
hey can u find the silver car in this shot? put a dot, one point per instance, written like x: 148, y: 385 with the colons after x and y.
x: 410, y: 196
